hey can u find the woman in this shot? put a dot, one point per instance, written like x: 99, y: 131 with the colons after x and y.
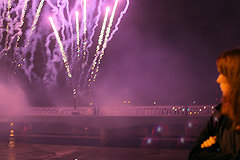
x: 221, y: 138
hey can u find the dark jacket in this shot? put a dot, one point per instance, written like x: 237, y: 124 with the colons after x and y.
x: 227, y: 146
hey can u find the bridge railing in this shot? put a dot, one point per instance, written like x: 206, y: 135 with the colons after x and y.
x: 57, y: 111
x: 124, y: 111
x: 157, y: 111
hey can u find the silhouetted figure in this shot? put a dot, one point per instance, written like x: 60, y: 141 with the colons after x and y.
x: 220, y: 140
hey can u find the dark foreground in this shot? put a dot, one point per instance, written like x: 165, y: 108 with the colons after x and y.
x: 24, y: 151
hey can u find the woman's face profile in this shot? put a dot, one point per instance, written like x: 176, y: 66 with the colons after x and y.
x: 224, y: 85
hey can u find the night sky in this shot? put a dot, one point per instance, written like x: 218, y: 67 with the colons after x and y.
x: 164, y: 52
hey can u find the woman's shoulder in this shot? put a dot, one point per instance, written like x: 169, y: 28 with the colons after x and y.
x: 219, y: 119
x: 217, y: 112
x: 217, y: 116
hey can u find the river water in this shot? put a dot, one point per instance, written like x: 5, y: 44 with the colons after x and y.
x: 25, y: 151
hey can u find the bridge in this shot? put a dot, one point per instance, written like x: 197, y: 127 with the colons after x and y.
x: 108, y: 124
x: 112, y: 117
x: 163, y: 111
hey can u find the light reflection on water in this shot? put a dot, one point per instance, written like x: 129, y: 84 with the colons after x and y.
x: 53, y: 152
x: 11, y: 155
x: 11, y: 143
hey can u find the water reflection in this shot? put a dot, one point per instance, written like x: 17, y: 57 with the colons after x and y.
x: 11, y: 155
x: 11, y: 143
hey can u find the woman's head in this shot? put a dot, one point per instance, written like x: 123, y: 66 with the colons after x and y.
x: 224, y: 84
x: 228, y: 65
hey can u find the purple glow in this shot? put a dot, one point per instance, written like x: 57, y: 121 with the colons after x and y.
x: 162, y: 50
x: 70, y: 36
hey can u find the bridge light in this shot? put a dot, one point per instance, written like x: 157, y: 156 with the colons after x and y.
x: 149, y: 141
x: 159, y: 129
x: 189, y: 124
x: 182, y: 140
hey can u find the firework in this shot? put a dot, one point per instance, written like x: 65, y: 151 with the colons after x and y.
x: 84, y: 29
x: 36, y: 19
x: 77, y: 30
x: 106, y: 38
x: 100, y: 39
x: 22, y: 21
x: 21, y: 26
x: 119, y: 20
x: 64, y: 57
x: 8, y: 17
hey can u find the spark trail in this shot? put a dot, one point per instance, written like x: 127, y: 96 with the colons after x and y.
x: 84, y: 45
x: 8, y: 21
x: 77, y: 30
x: 22, y: 21
x: 100, y: 39
x: 64, y: 57
x: 96, y: 23
x: 105, y: 40
x: 20, y: 59
x: 119, y: 20
x: 84, y: 29
x: 109, y: 26
x: 33, y: 27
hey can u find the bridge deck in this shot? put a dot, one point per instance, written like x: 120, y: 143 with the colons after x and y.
x: 108, y: 125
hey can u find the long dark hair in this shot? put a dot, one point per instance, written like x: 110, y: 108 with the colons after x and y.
x: 228, y: 64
